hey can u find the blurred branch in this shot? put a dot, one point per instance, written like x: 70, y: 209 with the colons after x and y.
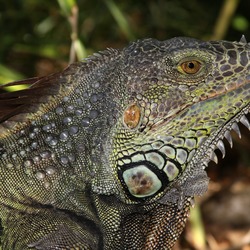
x: 224, y: 19
x: 197, y: 228
x: 75, y: 48
x: 70, y: 10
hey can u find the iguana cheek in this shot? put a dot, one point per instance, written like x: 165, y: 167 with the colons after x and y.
x: 141, y: 181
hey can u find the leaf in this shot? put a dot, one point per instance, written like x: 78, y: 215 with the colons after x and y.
x: 66, y: 6
x: 120, y: 19
x: 9, y: 75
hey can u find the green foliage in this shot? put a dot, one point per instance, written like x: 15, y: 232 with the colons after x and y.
x: 8, y: 74
x: 39, y: 38
x: 120, y: 19
x: 66, y: 6
x: 240, y: 23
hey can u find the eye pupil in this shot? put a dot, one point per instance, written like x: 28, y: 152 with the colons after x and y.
x: 191, y: 65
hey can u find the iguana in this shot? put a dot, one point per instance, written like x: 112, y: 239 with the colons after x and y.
x: 109, y: 153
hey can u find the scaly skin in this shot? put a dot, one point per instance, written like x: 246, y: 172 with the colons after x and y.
x: 109, y: 153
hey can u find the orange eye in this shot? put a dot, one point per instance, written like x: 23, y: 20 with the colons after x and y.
x: 131, y: 116
x: 191, y: 67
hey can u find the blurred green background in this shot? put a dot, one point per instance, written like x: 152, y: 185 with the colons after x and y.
x: 36, y: 36
x: 39, y: 37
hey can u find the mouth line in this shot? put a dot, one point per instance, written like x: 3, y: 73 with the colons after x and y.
x: 184, y: 107
x: 170, y: 117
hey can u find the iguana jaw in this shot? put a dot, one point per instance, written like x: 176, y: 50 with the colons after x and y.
x: 206, y: 152
x: 194, y: 180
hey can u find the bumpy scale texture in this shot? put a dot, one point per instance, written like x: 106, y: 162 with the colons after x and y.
x: 109, y: 153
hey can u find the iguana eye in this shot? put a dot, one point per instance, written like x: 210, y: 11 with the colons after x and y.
x: 132, y: 116
x: 190, y: 67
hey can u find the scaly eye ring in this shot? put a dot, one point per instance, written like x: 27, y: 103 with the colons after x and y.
x: 132, y: 116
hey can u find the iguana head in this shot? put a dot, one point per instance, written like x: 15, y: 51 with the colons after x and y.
x: 183, y: 97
